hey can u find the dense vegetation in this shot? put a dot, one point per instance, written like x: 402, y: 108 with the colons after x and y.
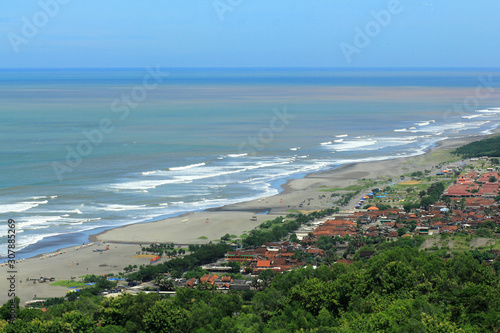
x: 401, y: 289
x: 429, y: 197
x: 176, y: 267
x: 487, y: 147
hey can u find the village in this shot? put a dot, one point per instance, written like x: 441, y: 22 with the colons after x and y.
x: 468, y: 207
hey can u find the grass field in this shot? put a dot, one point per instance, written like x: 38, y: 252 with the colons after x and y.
x: 439, y: 157
x: 69, y: 284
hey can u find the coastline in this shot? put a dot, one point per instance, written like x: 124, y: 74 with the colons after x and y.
x: 192, y: 227
x: 236, y: 218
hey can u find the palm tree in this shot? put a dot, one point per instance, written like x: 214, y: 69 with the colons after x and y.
x: 164, y: 283
x: 461, y: 204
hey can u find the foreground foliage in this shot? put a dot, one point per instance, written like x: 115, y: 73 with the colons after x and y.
x: 401, y: 289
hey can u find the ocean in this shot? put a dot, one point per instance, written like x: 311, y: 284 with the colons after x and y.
x: 84, y: 150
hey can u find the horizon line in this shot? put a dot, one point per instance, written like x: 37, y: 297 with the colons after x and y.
x: 255, y: 68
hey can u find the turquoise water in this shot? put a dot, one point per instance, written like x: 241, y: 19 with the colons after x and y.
x: 87, y: 149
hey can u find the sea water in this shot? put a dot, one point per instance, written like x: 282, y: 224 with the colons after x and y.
x: 84, y: 150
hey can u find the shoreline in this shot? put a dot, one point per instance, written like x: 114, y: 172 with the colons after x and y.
x: 284, y: 189
x: 247, y: 206
x: 293, y: 191
x: 192, y: 227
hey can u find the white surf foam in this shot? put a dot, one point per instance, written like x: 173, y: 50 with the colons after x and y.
x: 32, y: 239
x: 490, y: 110
x: 425, y: 123
x: 187, y: 167
x: 351, y: 145
x: 342, y: 136
x: 20, y: 206
x: 144, y: 184
x: 237, y: 155
x: 148, y: 173
x: 28, y: 221
x: 118, y: 207
x: 38, y: 198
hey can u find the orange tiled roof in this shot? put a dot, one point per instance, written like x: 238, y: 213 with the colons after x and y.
x: 449, y: 228
x: 190, y: 282
x: 209, y: 278
x: 264, y: 263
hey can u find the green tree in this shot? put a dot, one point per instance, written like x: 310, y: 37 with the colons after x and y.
x: 408, y: 206
x: 483, y: 232
x: 10, y: 309
x: 164, y: 283
x: 294, y: 238
x: 412, y: 225
x: 314, y: 295
x: 402, y: 231
x: 235, y: 266
x: 489, y: 224
x: 461, y: 204
x: 79, y: 322
x: 263, y: 280
x: 165, y: 317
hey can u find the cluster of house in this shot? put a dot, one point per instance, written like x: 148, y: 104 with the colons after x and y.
x: 473, y: 184
x: 224, y: 282
x: 276, y: 256
x: 439, y: 218
x: 371, y: 223
x: 280, y: 256
x: 476, y: 207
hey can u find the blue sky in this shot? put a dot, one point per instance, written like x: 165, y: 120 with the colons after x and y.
x: 249, y: 33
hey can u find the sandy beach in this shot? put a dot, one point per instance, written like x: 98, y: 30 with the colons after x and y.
x: 205, y: 226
